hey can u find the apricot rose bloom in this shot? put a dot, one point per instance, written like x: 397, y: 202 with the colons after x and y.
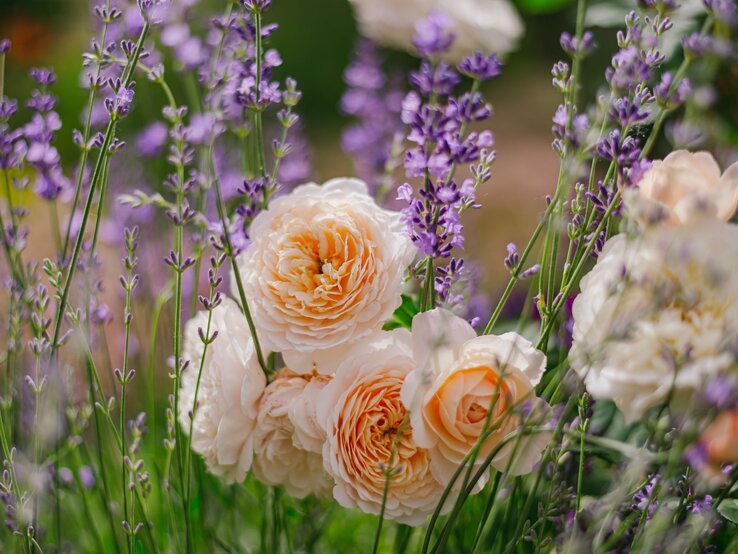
x: 231, y: 384
x: 324, y: 269
x: 278, y: 457
x: 458, y: 379
x: 720, y: 444
x: 685, y: 185
x: 364, y: 419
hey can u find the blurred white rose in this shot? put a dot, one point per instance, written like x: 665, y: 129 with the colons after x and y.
x: 658, y: 316
x: 231, y: 384
x: 492, y: 26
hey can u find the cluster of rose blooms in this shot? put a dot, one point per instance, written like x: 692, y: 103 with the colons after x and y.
x: 382, y: 420
x: 325, y: 270
x: 656, y: 321
x: 296, y: 376
x: 353, y: 405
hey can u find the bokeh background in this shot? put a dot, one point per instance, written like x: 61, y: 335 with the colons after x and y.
x: 316, y: 39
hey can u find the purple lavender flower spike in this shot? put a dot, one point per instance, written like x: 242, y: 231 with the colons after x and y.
x: 375, y: 102
x: 480, y: 66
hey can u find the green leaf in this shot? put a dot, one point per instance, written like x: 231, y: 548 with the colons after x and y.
x: 403, y: 316
x: 728, y: 508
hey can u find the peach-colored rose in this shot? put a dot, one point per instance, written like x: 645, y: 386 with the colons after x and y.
x: 365, y: 419
x: 721, y: 438
x: 685, y: 185
x: 325, y: 268
x: 231, y: 384
x: 458, y: 378
x: 278, y: 460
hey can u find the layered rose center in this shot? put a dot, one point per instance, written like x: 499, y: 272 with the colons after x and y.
x: 372, y: 424
x: 459, y: 411
x: 322, y: 266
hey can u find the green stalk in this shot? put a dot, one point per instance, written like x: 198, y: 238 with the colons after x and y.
x: 11, y: 468
x: 236, y: 274
x: 515, y: 277
x: 387, y: 480
x: 2, y: 75
x: 86, y: 504
x: 124, y: 388
x: 161, y: 301
x: 487, y: 511
x: 107, y: 140
x: 118, y: 441
x: 188, y: 452
x: 107, y: 495
x: 258, y: 130
x: 85, y: 151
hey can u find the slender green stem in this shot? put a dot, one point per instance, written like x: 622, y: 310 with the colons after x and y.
x: 258, y: 125
x: 387, y: 480
x: 127, y: 316
x: 487, y: 511
x: 118, y: 441
x: 100, y: 205
x: 107, y: 140
x: 2, y: 75
x: 194, y: 402
x: 515, y: 275
x: 85, y: 138
x: 100, y: 445
x: 86, y: 504
x: 583, y: 424
x: 10, y: 464
x: 546, y: 330
x: 236, y: 273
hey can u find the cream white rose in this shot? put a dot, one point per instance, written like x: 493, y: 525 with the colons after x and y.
x: 364, y: 420
x: 492, y: 26
x: 458, y: 379
x: 231, y: 384
x: 278, y: 460
x: 684, y: 186
x: 657, y: 316
x: 324, y: 269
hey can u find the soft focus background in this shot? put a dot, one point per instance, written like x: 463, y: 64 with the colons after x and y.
x: 316, y: 40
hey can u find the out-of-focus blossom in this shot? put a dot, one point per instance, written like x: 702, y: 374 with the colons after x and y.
x: 487, y: 25
x: 657, y: 317
x: 684, y: 186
